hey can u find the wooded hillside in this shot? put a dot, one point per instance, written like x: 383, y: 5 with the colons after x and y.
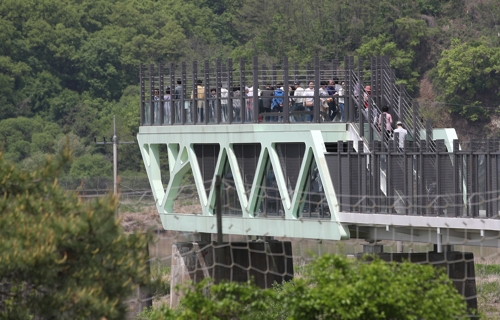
x: 68, y: 66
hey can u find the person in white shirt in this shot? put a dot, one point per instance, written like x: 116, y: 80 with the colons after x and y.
x: 166, y: 106
x: 223, y: 103
x: 401, y: 134
x: 298, y: 104
x: 340, y: 94
x: 309, y: 100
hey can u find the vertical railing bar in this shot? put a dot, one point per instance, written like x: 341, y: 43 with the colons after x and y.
x: 218, y: 85
x: 183, y: 92
x: 206, y: 106
x: 173, y: 113
x: 230, y: 93
x: 151, y: 94
x: 255, y: 85
x: 286, y: 93
x: 242, y: 91
x: 141, y: 80
x: 316, y: 90
x: 194, y: 94
x: 162, y: 92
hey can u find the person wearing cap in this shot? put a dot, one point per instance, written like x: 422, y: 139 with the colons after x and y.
x: 400, y: 133
x: 298, y: 104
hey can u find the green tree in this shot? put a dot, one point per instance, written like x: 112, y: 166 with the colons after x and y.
x: 402, y: 61
x: 468, y: 77
x: 61, y: 257
x: 333, y: 287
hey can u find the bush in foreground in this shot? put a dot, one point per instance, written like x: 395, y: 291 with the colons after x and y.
x: 334, y: 287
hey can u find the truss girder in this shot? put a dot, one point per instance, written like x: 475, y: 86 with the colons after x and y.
x: 180, y: 144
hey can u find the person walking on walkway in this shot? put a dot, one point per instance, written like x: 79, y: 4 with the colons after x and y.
x: 400, y: 134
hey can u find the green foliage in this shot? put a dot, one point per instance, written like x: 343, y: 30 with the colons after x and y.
x: 333, y: 287
x: 61, y: 257
x: 468, y: 75
x: 75, y: 64
x: 431, y: 7
x: 91, y: 166
x: 401, y: 60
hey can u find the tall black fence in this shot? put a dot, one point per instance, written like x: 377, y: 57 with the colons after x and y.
x: 225, y: 92
x: 416, y: 180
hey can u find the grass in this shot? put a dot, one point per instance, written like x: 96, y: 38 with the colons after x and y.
x: 488, y: 290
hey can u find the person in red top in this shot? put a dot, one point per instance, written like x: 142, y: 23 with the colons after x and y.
x: 368, y: 93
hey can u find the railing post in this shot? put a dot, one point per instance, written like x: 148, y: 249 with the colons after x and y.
x: 457, y: 163
x: 376, y: 174
x: 206, y: 82
x: 493, y: 155
x: 361, y: 171
x: 286, y: 93
x: 385, y: 67
x: 340, y: 191
x: 360, y: 102
x: 151, y: 95
x: 389, y: 176
x: 439, y: 145
x: 421, y: 181
x: 141, y: 79
x: 242, y: 92
x: 173, y: 114
x: 350, y: 181
x: 373, y: 77
x: 428, y: 134
x: 162, y: 94
x: 347, y: 89
x: 400, y: 103
x: 218, y: 85
x: 316, y: 90
x: 405, y: 176
x: 369, y: 118
x: 194, y: 94
x: 488, y: 177
x: 230, y: 93
x: 255, y: 85
x: 416, y: 136
x: 392, y: 105
x: 183, y: 92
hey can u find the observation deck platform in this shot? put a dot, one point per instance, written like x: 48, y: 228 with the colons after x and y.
x: 297, y: 174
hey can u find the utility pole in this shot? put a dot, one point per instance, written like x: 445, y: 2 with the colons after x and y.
x: 114, y: 141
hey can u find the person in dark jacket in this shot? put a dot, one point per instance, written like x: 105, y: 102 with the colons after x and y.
x: 267, y: 97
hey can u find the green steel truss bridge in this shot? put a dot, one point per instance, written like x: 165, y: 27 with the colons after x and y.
x: 295, y: 173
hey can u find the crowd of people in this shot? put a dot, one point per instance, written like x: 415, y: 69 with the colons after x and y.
x: 271, y: 101
x: 301, y: 104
